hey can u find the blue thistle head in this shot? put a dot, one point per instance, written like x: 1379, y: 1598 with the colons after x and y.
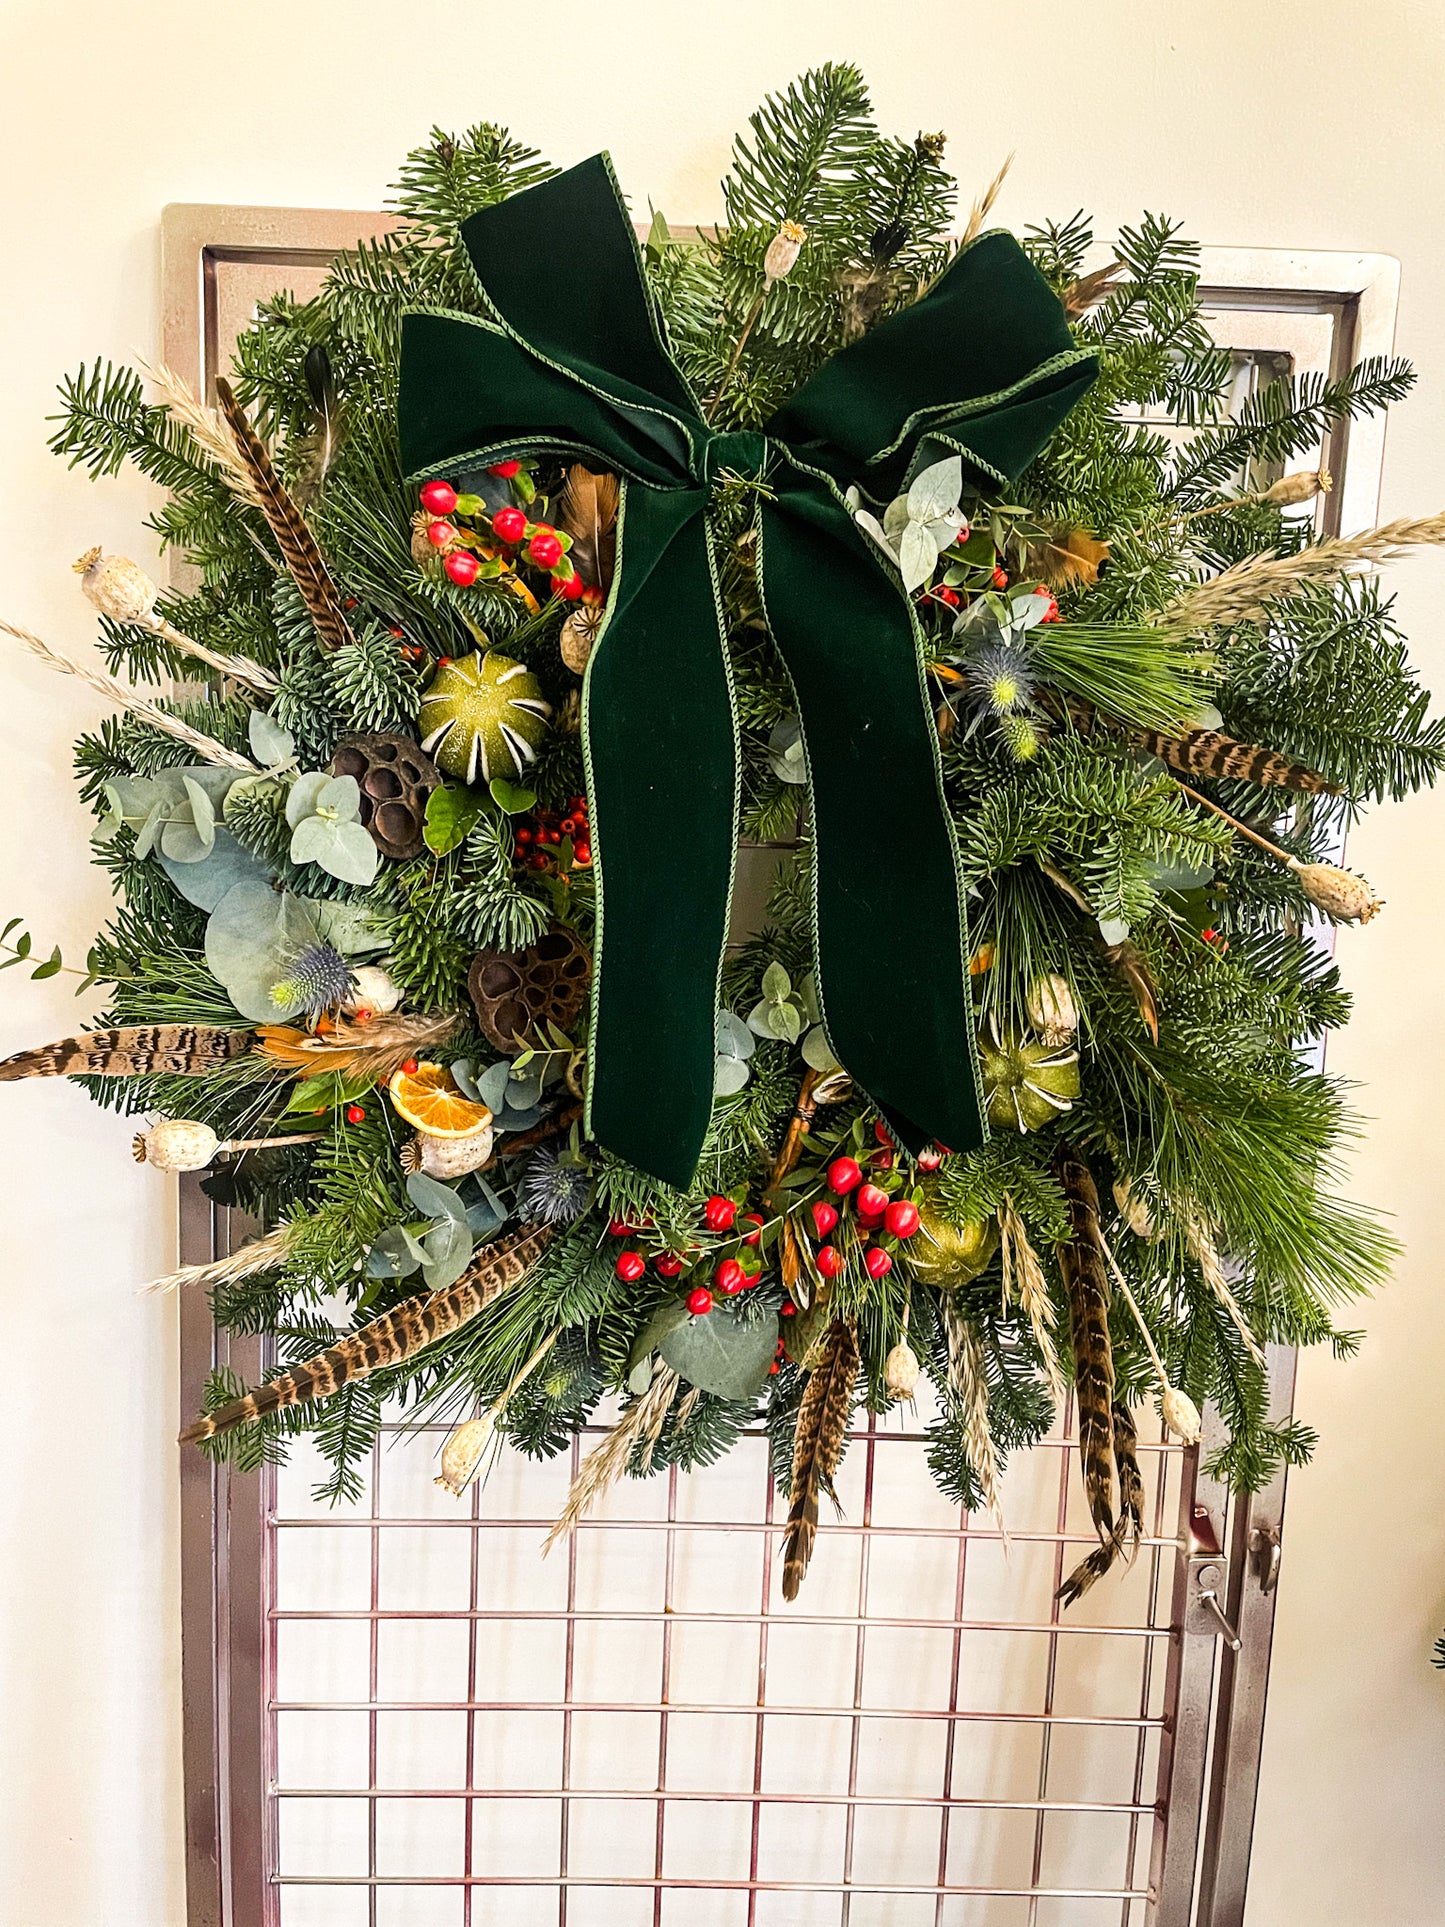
x: 999, y: 679
x: 319, y: 977
x: 553, y: 1189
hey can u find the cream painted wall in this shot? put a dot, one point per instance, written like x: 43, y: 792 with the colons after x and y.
x: 1313, y: 125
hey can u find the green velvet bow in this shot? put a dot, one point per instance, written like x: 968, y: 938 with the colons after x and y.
x: 572, y: 360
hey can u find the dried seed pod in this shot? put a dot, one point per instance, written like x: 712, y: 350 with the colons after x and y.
x: 118, y: 587
x: 448, y: 1157
x: 176, y: 1144
x: 1341, y: 894
x: 1181, y: 1415
x: 901, y: 1369
x: 1052, y: 1010
x: 1135, y: 1210
x: 395, y: 778
x: 783, y: 250
x: 373, y: 990
x: 1290, y: 490
x: 514, y: 992
x: 579, y: 632
x: 463, y: 1453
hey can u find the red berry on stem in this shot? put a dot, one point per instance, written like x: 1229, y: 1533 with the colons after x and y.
x: 582, y: 854
x: 882, y: 1160
x: 669, y: 1265
x: 438, y: 498
x: 999, y: 579
x: 355, y: 1114
x: 825, y: 1216
x: 755, y: 1235
x: 876, y: 1262
x: 439, y: 534
x: 463, y: 567
x: 787, y: 1309
x: 536, y: 861
x: 569, y: 587
x: 1051, y: 607
x: 509, y: 525
x: 524, y: 837
x: 719, y: 1213
x: 901, y: 1218
x: 844, y: 1175
x: 630, y: 1266
x: 881, y: 1133
x: 409, y: 1066
x: 871, y: 1202
x: 729, y: 1277
x: 619, y: 1228
x: 544, y: 548
x: 505, y: 469
x: 699, y: 1301
x: 829, y: 1261
x: 950, y: 597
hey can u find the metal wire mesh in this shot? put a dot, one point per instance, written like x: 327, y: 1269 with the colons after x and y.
x: 639, y: 1731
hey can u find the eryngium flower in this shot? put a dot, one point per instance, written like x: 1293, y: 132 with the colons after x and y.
x: 552, y: 1189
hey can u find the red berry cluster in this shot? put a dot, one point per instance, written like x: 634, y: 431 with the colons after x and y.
x: 541, y: 835
x: 729, y: 1272
x: 880, y: 1219
x: 468, y: 553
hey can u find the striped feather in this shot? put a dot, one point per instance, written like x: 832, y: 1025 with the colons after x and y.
x: 1208, y: 752
x: 818, y: 1445
x: 389, y: 1340
x: 294, y: 539
x: 1086, y: 1281
x: 178, y: 1050
x: 1131, y: 1512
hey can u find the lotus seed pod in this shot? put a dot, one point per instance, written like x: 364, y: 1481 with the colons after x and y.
x: 119, y: 588
x: 372, y: 989
x: 176, y: 1144
x: 1181, y: 1415
x: 783, y: 250
x: 901, y: 1369
x: 1339, y: 893
x: 483, y: 716
x: 1135, y: 1211
x: 1052, y: 1010
x: 462, y: 1453
x: 1028, y: 1083
x: 450, y: 1157
x: 946, y: 1255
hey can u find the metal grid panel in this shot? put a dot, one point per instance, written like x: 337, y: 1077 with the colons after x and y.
x: 639, y: 1731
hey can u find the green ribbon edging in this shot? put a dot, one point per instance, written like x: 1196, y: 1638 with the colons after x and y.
x: 572, y: 359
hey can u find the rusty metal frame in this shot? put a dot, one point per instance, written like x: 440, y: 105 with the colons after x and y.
x: 1211, y: 1733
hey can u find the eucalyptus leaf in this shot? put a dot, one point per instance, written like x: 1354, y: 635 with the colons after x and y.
x: 254, y: 936
x: 301, y: 798
x: 776, y: 982
x: 491, y: 1085
x: 347, y: 927
x: 395, y: 1254
x: 731, y: 1036
x: 917, y: 555
x: 204, y: 883
x: 466, y: 1083
x: 448, y: 1249
x: 435, y: 1199
x: 817, y: 1052
x: 667, y: 1318
x: 722, y: 1353
x: 935, y: 490
x: 339, y: 797
x: 271, y: 742
x: 730, y: 1075
x: 787, y: 757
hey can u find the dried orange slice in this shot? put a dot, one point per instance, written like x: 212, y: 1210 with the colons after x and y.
x: 428, y: 1097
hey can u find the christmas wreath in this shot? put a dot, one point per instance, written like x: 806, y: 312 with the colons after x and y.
x: 529, y: 566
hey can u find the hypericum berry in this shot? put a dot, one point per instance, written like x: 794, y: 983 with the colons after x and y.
x: 545, y: 548
x: 946, y: 595
x: 729, y: 1277
x: 901, y: 1218
x: 881, y: 1133
x: 829, y: 1261
x: 619, y: 1228
x: 582, y: 854
x: 438, y: 498
x: 355, y: 1114
x: 876, y: 1262
x: 463, y: 567
x: 844, y: 1175
x: 669, y: 1265
x: 440, y: 534
x: 569, y: 587
x: 523, y: 836
x: 882, y: 1160
x: 871, y: 1201
x: 509, y: 525
x: 999, y: 579
x: 505, y: 469
x: 787, y: 1309
x: 537, y: 861
x: 755, y: 1235
x: 929, y: 1160
x: 409, y: 1066
x: 825, y: 1216
x: 630, y: 1266
x: 719, y: 1213
x: 1051, y: 607
x: 699, y: 1301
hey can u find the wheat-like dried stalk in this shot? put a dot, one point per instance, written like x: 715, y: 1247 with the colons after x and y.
x: 969, y: 1385
x: 106, y: 685
x: 984, y: 204
x: 208, y: 430
x: 1241, y: 593
x: 1023, y: 1273
x: 262, y: 1254
x: 1199, y: 1237
x: 639, y: 1425
x: 239, y: 668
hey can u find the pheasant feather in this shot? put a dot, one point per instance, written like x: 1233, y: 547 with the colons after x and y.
x: 1208, y: 752
x: 294, y: 539
x: 177, y: 1050
x: 1131, y: 1511
x: 380, y: 1048
x: 1086, y: 1282
x: 389, y: 1340
x: 818, y: 1445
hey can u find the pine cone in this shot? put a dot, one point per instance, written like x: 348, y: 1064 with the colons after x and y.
x: 514, y: 992
x: 395, y: 778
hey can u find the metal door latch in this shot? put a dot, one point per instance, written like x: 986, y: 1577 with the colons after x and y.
x: 1265, y: 1551
x: 1208, y: 1579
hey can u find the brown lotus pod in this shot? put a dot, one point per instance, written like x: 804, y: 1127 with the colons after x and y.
x: 517, y: 991
x: 395, y: 777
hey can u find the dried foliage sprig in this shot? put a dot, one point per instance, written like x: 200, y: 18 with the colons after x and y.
x: 1243, y: 593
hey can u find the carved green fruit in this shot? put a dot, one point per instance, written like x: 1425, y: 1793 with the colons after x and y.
x: 1028, y: 1083
x: 948, y: 1255
x: 483, y: 716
